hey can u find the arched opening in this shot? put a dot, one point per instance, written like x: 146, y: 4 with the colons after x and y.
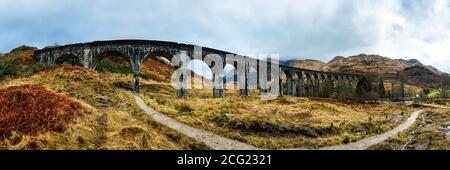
x: 231, y: 79
x: 253, y: 79
x: 351, y: 87
x: 156, y: 73
x: 201, y: 73
x: 117, y: 66
x: 343, y: 87
x: 201, y: 79
x: 68, y: 60
x: 294, y: 84
x: 332, y: 86
x: 309, y: 84
x: 156, y: 66
x: 283, y: 82
x: 316, y: 82
x: 301, y: 91
x: 325, y: 85
x: 113, y: 61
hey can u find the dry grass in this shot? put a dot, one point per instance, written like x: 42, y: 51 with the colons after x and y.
x: 115, y: 122
x: 282, y: 123
x: 20, y: 56
x: 32, y: 109
x: 428, y: 133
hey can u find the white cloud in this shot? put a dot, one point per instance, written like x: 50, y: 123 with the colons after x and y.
x: 318, y: 29
x: 422, y: 33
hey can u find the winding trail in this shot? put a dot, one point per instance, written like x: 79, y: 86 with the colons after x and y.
x: 212, y: 140
x: 368, y: 142
x: 220, y: 143
x: 434, y: 105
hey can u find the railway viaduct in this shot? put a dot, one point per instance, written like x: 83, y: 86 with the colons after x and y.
x: 292, y: 80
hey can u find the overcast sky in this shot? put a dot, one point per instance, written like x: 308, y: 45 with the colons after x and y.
x: 297, y: 29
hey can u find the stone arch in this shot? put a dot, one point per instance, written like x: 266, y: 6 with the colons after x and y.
x: 331, y: 84
x: 300, y: 83
x: 353, y: 83
x: 294, y: 83
x: 309, y: 81
x: 162, y: 56
x: 316, y: 84
x: 349, y: 86
x: 117, y: 56
x: 340, y: 87
x: 201, y: 74
x: 231, y: 76
x: 152, y: 62
x: 324, y: 85
x: 285, y: 82
x: 114, y: 55
x: 137, y: 51
x: 216, y: 63
x: 71, y: 59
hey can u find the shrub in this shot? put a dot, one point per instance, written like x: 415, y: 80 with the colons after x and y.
x: 32, y: 68
x: 105, y: 65
x: 32, y: 109
x: 183, y: 107
x: 23, y: 48
x: 8, y: 69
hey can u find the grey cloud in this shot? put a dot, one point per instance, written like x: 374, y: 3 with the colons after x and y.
x: 317, y: 29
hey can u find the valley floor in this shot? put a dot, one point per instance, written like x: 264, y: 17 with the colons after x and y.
x: 115, y: 121
x: 287, y: 122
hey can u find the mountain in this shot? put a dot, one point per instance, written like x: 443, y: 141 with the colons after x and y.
x: 362, y: 63
x: 421, y: 75
x: 308, y: 64
x: 20, y: 56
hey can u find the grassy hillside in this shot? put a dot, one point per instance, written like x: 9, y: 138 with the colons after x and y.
x: 114, y: 122
x: 282, y: 123
x: 417, y: 74
x: 18, y: 62
x: 103, y: 114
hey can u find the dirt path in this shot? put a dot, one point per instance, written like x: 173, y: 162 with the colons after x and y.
x: 212, y: 140
x: 368, y: 142
x: 220, y: 143
x: 434, y: 105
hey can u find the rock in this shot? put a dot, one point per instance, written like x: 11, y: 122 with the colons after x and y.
x: 103, y: 99
x: 306, y: 131
x: 397, y: 118
x: 283, y: 128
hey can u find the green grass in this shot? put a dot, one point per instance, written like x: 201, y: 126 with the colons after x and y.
x: 12, y: 69
x: 22, y: 48
x: 8, y: 69
x: 105, y: 65
x: 434, y: 93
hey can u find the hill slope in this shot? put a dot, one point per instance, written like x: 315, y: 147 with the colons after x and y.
x: 419, y: 74
x: 115, y: 121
